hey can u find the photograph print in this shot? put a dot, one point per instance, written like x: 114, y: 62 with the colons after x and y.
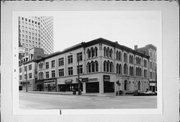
x: 89, y: 60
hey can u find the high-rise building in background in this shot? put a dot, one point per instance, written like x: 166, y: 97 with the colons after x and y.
x: 35, y: 32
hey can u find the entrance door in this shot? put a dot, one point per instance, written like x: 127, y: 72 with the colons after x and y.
x: 92, y: 87
x: 108, y: 87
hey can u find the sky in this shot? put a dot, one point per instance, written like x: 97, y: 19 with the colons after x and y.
x: 129, y: 28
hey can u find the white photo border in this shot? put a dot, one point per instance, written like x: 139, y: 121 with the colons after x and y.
x: 161, y: 115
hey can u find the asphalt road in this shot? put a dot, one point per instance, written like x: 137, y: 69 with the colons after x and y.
x: 55, y: 101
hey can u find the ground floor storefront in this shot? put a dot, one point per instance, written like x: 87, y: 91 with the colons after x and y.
x: 94, y: 83
x: 28, y: 85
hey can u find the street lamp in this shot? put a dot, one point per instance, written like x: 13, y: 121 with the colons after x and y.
x: 79, y: 82
x: 26, y: 79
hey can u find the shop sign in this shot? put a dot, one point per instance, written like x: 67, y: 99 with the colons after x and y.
x: 84, y: 79
x: 106, y: 78
x: 152, y: 84
x: 68, y: 81
x: 92, y: 79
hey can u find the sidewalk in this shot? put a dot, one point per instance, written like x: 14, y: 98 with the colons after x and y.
x: 70, y: 93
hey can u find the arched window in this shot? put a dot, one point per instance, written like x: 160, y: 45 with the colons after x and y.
x: 117, y: 68
x: 125, y: 57
x: 117, y: 55
x: 108, y: 66
x: 105, y: 66
x: 131, y: 59
x: 110, y: 53
x: 111, y: 67
x: 107, y: 52
x: 120, y: 56
x: 92, y: 52
x: 92, y: 65
x: 104, y: 51
x: 96, y: 64
x: 96, y: 51
x: 131, y: 69
x: 89, y: 67
x: 88, y: 52
x: 125, y: 69
x: 120, y: 69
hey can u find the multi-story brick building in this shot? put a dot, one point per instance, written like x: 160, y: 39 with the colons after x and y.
x: 107, y: 65
x: 151, y: 51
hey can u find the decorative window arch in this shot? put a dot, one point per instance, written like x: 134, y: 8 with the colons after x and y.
x: 105, y: 66
x: 96, y: 65
x: 92, y: 52
x: 108, y: 66
x: 92, y: 66
x: 107, y: 52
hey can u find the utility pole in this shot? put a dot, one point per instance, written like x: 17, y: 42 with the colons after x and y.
x: 79, y: 82
x: 26, y: 79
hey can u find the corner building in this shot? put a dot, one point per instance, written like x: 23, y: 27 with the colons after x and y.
x: 107, y: 65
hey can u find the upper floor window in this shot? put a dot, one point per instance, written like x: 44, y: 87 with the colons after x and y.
x: 61, y: 72
x: 52, y: 63
x: 92, y: 66
x: 47, y: 74
x: 30, y: 67
x: 20, y: 77
x: 118, y: 69
x: 70, y: 59
x: 125, y: 69
x: 138, y: 60
x: 145, y: 73
x: 70, y: 70
x: 47, y: 65
x: 145, y: 63
x: 138, y: 71
x: 125, y: 57
x: 108, y: 66
x: 41, y: 75
x: 61, y: 61
x: 30, y: 75
x: 40, y: 65
x: 131, y: 70
x: 108, y: 52
x: 131, y: 59
x: 53, y: 73
x: 92, y: 52
x: 79, y: 56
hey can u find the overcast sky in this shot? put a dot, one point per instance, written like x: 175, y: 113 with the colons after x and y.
x: 129, y: 28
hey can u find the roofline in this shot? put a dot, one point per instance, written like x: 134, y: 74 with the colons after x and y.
x: 93, y: 42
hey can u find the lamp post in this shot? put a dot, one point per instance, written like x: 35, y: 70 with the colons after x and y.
x: 26, y: 79
x: 79, y: 82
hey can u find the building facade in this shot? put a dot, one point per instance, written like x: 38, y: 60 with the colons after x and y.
x: 107, y: 67
x: 151, y: 51
x: 35, y: 32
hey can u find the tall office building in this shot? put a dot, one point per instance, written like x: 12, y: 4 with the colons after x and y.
x: 35, y: 31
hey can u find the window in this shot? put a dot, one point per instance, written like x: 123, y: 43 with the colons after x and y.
x: 20, y: 70
x: 61, y: 72
x: 70, y: 59
x: 47, y: 74
x: 53, y: 73
x: 79, y: 56
x: 20, y: 77
x: 47, y: 65
x: 131, y: 59
x: 125, y: 57
x: 125, y: 69
x: 30, y: 67
x: 41, y: 75
x: 30, y: 75
x: 151, y: 75
x: 40, y: 65
x: 52, y: 63
x: 131, y: 70
x: 80, y: 69
x: 145, y: 63
x: 61, y: 61
x: 25, y: 68
x: 70, y: 70
x: 145, y: 73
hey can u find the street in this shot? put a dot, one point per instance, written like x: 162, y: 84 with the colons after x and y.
x: 57, y: 101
